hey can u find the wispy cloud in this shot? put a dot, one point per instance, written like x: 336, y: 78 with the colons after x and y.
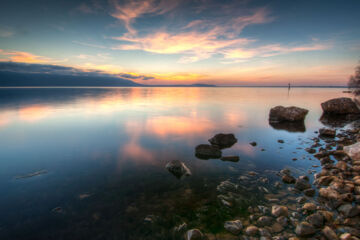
x: 128, y: 11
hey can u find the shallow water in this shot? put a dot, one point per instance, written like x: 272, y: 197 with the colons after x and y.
x: 99, y: 156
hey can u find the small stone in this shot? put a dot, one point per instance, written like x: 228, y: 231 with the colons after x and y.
x: 252, y: 230
x: 316, y: 219
x: 278, y: 211
x: 223, y: 140
x: 302, y: 184
x: 178, y: 168
x: 329, y: 233
x: 280, y: 141
x: 253, y: 144
x: 327, y: 132
x: 194, y: 234
x: 305, y: 229
x: 288, y: 179
x: 234, y: 227
x: 310, y: 192
x: 309, y: 207
x: 348, y: 210
x: 264, y: 221
x: 206, y: 151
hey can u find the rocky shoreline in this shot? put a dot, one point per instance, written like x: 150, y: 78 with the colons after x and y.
x: 296, y: 208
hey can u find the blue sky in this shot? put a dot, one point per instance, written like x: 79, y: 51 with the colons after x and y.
x: 172, y: 42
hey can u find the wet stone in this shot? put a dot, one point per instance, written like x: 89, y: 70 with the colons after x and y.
x: 194, y: 234
x: 223, y: 140
x: 206, y: 151
x: 305, y: 229
x: 234, y: 227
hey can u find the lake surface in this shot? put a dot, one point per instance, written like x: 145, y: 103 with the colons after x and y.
x: 89, y: 163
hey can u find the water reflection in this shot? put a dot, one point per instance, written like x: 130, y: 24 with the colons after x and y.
x: 114, y: 143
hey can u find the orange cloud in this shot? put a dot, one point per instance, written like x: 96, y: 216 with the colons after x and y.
x: 25, y: 57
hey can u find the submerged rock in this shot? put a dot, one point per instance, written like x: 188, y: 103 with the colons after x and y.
x: 206, y: 151
x: 340, y: 106
x: 223, y: 140
x: 278, y: 211
x: 194, y: 234
x: 230, y: 158
x: 33, y: 174
x: 178, y: 168
x: 290, y: 114
x: 329, y: 233
x: 234, y: 227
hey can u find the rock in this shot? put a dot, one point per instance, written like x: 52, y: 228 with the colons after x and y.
x: 353, y: 151
x: 277, y: 227
x: 302, y: 184
x: 310, y: 192
x: 288, y: 179
x: 316, y: 219
x: 329, y: 233
x: 178, y: 168
x: 290, y: 114
x: 340, y: 106
x: 264, y: 221
x: 280, y: 141
x: 180, y: 228
x: 230, y: 158
x: 253, y: 144
x: 305, y: 229
x: 234, y: 227
x: 251, y: 230
x: 226, y: 186
x: 327, y: 132
x: 223, y: 140
x: 346, y: 236
x: 309, y: 207
x: 278, y: 211
x: 348, y: 210
x: 150, y: 218
x: 206, y: 151
x: 194, y: 234
x: 329, y: 193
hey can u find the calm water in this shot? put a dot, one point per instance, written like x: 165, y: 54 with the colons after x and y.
x: 103, y: 153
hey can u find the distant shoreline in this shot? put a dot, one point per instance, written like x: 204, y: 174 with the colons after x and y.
x: 171, y: 86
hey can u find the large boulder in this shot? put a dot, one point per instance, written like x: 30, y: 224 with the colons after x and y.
x: 340, y: 106
x: 178, y: 168
x: 223, y: 140
x: 287, y: 114
x: 206, y: 151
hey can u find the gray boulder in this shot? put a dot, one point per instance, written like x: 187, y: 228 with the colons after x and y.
x: 234, y: 227
x: 287, y: 114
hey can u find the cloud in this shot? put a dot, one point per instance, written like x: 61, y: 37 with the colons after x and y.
x: 237, y: 54
x: 86, y: 70
x: 128, y: 11
x: 197, y: 39
x: 19, y: 56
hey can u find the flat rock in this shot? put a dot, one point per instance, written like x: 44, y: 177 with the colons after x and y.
x: 340, y: 106
x: 287, y: 114
x: 178, y: 168
x: 223, y: 140
x: 230, y: 158
x: 206, y: 151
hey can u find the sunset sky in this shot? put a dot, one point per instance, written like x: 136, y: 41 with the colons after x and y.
x: 183, y: 42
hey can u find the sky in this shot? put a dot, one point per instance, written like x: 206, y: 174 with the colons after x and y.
x: 229, y: 43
